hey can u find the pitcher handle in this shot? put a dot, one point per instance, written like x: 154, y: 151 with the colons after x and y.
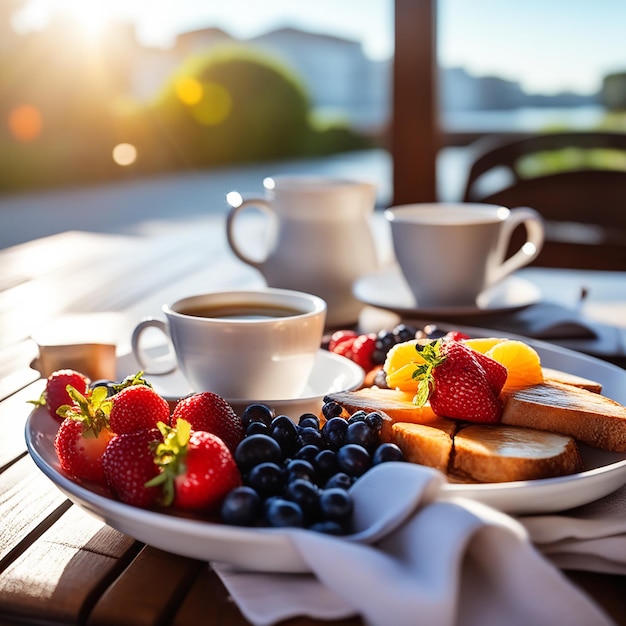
x: 528, y: 252
x: 233, y: 213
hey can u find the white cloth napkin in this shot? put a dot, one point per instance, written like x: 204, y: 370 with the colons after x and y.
x: 590, y: 537
x: 440, y: 562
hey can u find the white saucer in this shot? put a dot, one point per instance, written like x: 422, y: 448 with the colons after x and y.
x: 331, y: 373
x: 388, y: 289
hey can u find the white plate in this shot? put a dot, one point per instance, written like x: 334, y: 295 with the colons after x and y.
x: 271, y: 549
x: 331, y: 373
x: 388, y: 289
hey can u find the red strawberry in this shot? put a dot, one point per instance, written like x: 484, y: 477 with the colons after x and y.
x: 496, y: 372
x: 209, y: 412
x: 83, y: 435
x: 456, y: 384
x: 80, y: 451
x: 137, y: 407
x: 55, y: 393
x: 197, y: 469
x: 129, y: 464
x: 363, y: 349
x: 339, y: 336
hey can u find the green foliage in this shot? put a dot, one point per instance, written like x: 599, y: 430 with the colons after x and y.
x: 231, y: 106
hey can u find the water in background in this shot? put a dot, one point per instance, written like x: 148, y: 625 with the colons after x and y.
x: 525, y: 119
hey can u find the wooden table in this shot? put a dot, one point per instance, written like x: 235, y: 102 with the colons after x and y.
x: 59, y: 565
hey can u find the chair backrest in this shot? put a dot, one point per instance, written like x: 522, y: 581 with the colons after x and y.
x: 584, y: 207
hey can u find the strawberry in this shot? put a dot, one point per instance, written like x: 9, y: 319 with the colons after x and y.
x: 129, y: 464
x: 456, y: 384
x: 456, y: 335
x: 496, y: 372
x: 363, y: 350
x: 344, y: 348
x: 137, y: 407
x: 55, y: 393
x: 211, y: 413
x: 197, y: 469
x: 339, y: 336
x: 83, y: 434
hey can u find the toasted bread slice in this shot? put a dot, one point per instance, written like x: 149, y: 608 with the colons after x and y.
x: 426, y: 445
x: 495, y: 453
x: 557, y: 376
x: 555, y: 407
x: 398, y: 405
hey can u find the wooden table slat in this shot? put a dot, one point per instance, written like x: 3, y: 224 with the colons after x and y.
x: 27, y: 500
x: 147, y: 591
x: 81, y: 555
x: 14, y: 412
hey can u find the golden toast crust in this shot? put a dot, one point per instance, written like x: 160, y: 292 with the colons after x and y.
x: 584, y: 415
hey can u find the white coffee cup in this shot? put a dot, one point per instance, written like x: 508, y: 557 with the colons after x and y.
x: 320, y: 237
x: 241, y: 344
x: 450, y: 253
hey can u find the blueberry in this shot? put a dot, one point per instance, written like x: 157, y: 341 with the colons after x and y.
x: 257, y: 413
x: 305, y: 494
x: 353, y: 459
x: 404, y: 332
x: 285, y: 432
x: 433, y: 332
x: 311, y: 436
x: 307, y: 453
x: 334, y: 431
x: 281, y: 513
x: 335, y: 504
x: 374, y: 420
x: 309, y: 420
x: 357, y: 416
x: 326, y: 464
x: 361, y: 434
x: 299, y: 468
x: 241, y: 507
x: 267, y: 479
x: 387, y: 452
x: 257, y: 428
x: 331, y: 409
x: 256, y: 449
x: 340, y: 480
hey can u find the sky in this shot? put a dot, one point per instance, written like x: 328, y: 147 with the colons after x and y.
x: 547, y: 45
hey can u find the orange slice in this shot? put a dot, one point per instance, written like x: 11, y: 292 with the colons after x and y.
x: 401, y: 361
x: 521, y: 361
x: 483, y: 344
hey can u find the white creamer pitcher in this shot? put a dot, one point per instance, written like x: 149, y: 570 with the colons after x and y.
x: 320, y: 238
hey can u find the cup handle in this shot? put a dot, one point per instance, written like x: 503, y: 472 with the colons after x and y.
x: 535, y: 234
x: 149, y: 365
x: 258, y: 203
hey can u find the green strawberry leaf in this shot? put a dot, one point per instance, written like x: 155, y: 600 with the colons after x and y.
x: 424, y: 372
x: 130, y: 381
x: 92, y: 409
x: 170, y: 457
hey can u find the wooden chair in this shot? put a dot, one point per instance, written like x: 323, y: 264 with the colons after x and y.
x: 584, y: 207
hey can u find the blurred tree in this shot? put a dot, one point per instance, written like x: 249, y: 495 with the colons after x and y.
x: 232, y: 105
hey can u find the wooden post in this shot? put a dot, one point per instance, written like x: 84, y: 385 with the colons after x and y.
x: 415, y: 136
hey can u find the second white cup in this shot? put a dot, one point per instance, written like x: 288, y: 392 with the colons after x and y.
x: 450, y: 253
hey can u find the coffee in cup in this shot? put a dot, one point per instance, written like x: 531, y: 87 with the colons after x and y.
x: 450, y: 253
x: 240, y: 344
